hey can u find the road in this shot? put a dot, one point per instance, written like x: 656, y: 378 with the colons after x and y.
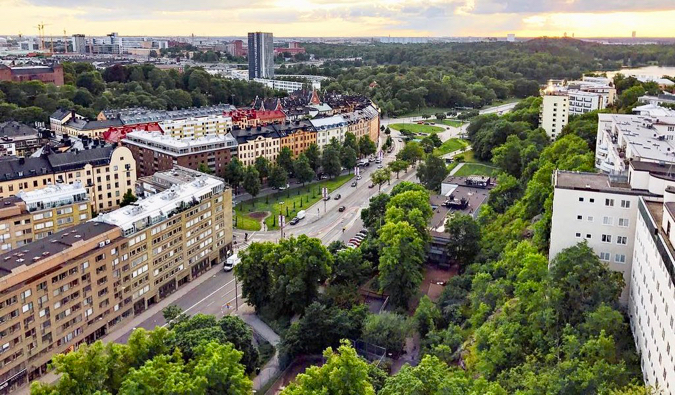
x: 490, y: 110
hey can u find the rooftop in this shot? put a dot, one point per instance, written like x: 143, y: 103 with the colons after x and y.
x: 596, y: 182
x: 156, y: 208
x: 61, y: 241
x: 53, y: 195
x: 13, y: 129
x: 328, y: 122
x: 180, y: 145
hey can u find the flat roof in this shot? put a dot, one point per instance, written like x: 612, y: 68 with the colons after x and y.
x: 52, y: 193
x: 178, y: 143
x: 61, y: 241
x: 151, y: 210
x: 596, y: 182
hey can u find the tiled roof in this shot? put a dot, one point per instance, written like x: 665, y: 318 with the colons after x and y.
x: 77, y: 159
x: 59, y: 114
x: 14, y: 129
x: 13, y: 168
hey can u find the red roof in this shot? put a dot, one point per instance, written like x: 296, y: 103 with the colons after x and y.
x: 265, y: 115
x: 116, y: 134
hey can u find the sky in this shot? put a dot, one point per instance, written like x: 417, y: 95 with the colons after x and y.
x: 330, y: 18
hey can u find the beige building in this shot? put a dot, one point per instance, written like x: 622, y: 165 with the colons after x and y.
x: 79, y: 284
x: 37, y: 214
x: 195, y: 127
x: 554, y: 113
x: 106, y: 172
x: 262, y: 141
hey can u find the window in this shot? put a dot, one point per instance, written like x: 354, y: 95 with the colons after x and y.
x: 578, y: 235
x: 588, y: 235
x: 623, y: 222
x: 591, y: 200
x: 608, y: 221
x: 625, y: 204
x: 621, y: 240
x: 606, y: 238
x: 579, y: 217
x: 605, y: 256
x: 590, y: 218
x: 620, y: 258
x: 609, y: 202
x: 581, y: 199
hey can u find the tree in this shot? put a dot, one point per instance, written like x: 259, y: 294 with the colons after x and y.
x: 278, y: 177
x: 152, y: 54
x: 397, y: 166
x: 204, y: 168
x: 302, y: 169
x: 313, y: 156
x: 330, y: 161
x: 174, y: 315
x: 285, y: 160
x: 411, y: 153
x: 401, y: 262
x: 128, y: 198
x: 350, y: 141
x: 262, y: 165
x: 251, y: 181
x: 426, y: 316
x: 254, y: 273
x: 234, y: 172
x: 349, y: 267
x: 366, y: 146
x: 387, y: 330
x: 440, y: 116
x: 373, y: 216
x: 348, y: 158
x: 92, y: 82
x: 219, y: 365
x: 163, y: 375
x: 405, y: 186
x: 343, y: 373
x: 432, y: 172
x: 463, y: 239
x: 380, y: 176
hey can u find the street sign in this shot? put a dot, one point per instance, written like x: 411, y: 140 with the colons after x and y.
x: 324, y: 192
x: 357, y: 171
x: 282, y: 221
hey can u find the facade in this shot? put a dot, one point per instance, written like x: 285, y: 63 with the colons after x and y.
x: 59, y: 118
x: 582, y: 102
x: 47, y: 74
x: 651, y: 306
x: 260, y: 55
x: 254, y: 142
x: 287, y: 86
x: 79, y: 43
x: 329, y: 128
x: 77, y: 126
x: 364, y: 122
x: 77, y: 285
x: 554, y: 113
x: 106, y: 172
x: 254, y: 118
x: 297, y: 136
x: 623, y: 138
x: 18, y: 139
x: 155, y: 152
x: 293, y: 48
x: 37, y: 214
x: 194, y: 127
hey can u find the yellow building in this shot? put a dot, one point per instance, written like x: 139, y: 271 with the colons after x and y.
x: 254, y: 142
x: 106, y: 172
x: 77, y: 285
x: 195, y: 127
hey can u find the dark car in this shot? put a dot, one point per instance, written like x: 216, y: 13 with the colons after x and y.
x: 337, y: 197
x: 327, y: 198
x: 342, y: 208
x: 371, y: 186
x: 294, y: 221
x: 354, y: 183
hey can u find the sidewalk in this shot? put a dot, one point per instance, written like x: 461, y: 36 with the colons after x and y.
x: 271, y: 368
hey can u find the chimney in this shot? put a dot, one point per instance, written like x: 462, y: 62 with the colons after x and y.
x: 22, y: 160
x: 259, y: 128
x: 72, y: 113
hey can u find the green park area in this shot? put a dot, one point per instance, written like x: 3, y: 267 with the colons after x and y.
x: 451, y: 122
x: 416, y: 128
x: 470, y: 169
x: 248, y: 214
x: 449, y: 146
x: 430, y: 111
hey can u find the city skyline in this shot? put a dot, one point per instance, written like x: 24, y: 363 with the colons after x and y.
x: 346, y: 18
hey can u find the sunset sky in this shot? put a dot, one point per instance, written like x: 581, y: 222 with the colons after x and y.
x: 316, y: 18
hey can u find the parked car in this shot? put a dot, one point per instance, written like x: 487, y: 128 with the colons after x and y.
x: 363, y: 232
x: 337, y: 197
x: 231, y: 262
x: 354, y: 183
x: 324, y: 176
x: 358, y: 177
x: 359, y: 237
x: 379, y: 166
x: 355, y: 242
x: 327, y: 198
x: 342, y: 208
x: 294, y: 221
x: 371, y: 185
x: 282, y: 188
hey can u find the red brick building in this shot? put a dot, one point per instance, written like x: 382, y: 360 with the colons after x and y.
x: 293, y: 48
x: 155, y: 152
x: 117, y: 133
x: 47, y: 74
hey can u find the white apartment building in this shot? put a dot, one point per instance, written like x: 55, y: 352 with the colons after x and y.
x: 287, y: 86
x: 623, y: 138
x: 651, y: 306
x: 194, y: 127
x: 554, y: 113
x: 582, y: 102
x: 329, y: 128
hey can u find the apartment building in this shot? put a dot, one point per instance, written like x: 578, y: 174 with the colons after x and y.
x: 76, y: 126
x: 297, y: 136
x: 155, y: 152
x: 364, y: 122
x: 554, y: 113
x: 329, y: 128
x: 59, y: 118
x: 37, y: 214
x: 262, y: 141
x: 582, y: 102
x: 17, y: 139
x: 254, y: 118
x: 260, y: 55
x: 106, y: 172
x: 284, y: 85
x: 49, y: 74
x: 652, y: 292
x: 75, y: 286
x: 194, y: 127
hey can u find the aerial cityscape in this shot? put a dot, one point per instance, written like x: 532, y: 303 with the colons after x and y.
x: 329, y: 197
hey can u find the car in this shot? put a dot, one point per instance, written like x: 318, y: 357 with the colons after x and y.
x: 359, y: 237
x: 283, y: 188
x: 324, y: 176
x: 355, y: 242
x: 379, y: 166
x: 327, y: 198
x: 363, y: 231
x: 354, y: 183
x: 342, y: 208
x: 350, y: 245
x: 358, y: 177
x: 371, y: 186
x: 294, y: 221
x: 337, y: 197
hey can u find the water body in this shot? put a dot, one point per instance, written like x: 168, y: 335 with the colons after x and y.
x: 652, y: 71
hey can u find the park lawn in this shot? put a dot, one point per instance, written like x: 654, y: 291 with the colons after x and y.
x: 450, y: 145
x: 451, y: 122
x: 294, y: 199
x: 431, y: 111
x: 470, y: 169
x: 244, y: 222
x: 415, y: 128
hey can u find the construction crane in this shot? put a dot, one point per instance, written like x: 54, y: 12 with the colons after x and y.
x: 41, y: 34
x: 65, y: 41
